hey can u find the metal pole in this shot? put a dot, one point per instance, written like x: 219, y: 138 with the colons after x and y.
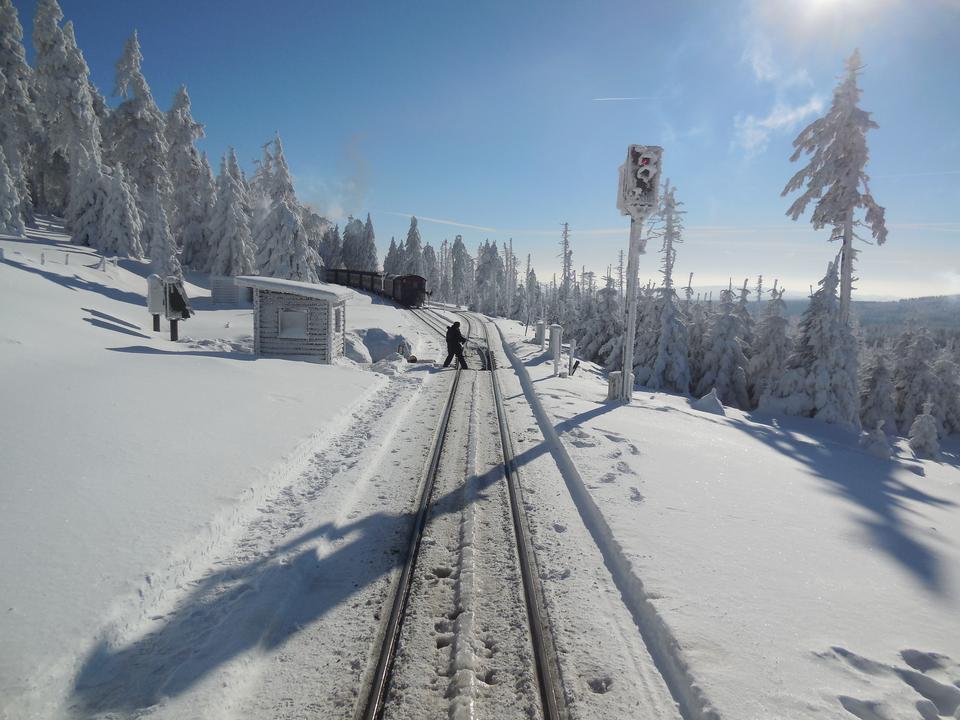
x: 633, y: 263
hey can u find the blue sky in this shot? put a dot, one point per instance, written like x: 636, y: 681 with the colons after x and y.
x: 489, y: 116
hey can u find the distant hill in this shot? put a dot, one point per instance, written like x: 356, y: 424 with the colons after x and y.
x: 942, y: 311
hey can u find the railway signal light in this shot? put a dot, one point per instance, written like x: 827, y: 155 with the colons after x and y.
x: 639, y: 180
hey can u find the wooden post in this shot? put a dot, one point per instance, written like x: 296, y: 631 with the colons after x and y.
x: 156, y: 323
x: 174, y: 336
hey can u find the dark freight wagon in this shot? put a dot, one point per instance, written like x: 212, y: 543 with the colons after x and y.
x: 409, y: 290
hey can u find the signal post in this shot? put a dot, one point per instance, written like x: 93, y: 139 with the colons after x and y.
x: 637, y: 197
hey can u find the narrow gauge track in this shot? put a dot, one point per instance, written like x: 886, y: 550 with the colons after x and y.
x: 373, y: 706
x: 546, y: 665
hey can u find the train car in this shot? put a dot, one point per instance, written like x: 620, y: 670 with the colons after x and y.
x: 410, y: 290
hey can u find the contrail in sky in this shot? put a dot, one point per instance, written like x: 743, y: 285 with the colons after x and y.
x: 615, y: 99
x: 442, y: 222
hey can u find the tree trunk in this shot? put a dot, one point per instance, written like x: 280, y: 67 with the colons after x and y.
x: 846, y: 269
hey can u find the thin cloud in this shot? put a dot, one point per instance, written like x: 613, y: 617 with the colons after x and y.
x: 753, y: 133
x: 932, y: 173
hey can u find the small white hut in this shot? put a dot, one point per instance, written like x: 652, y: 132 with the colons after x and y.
x: 297, y: 319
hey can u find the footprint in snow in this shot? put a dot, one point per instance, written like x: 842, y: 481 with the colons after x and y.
x: 636, y: 495
x: 933, y: 676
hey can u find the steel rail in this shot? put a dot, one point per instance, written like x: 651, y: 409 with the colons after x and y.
x: 373, y: 707
x: 546, y: 663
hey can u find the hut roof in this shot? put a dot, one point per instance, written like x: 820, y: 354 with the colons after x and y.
x: 323, y: 291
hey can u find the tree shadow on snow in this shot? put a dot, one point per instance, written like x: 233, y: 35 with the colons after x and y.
x: 75, y: 282
x: 116, y: 328
x: 257, y: 605
x: 146, y: 350
x: 869, y: 483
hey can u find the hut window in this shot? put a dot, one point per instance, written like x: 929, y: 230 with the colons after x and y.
x: 293, y: 324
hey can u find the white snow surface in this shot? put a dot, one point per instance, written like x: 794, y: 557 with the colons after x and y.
x: 127, y: 460
x: 782, y: 570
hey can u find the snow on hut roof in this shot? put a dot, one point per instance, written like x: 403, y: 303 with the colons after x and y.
x: 322, y: 290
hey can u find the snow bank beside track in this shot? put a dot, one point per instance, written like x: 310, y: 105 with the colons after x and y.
x: 127, y: 459
x: 800, y: 576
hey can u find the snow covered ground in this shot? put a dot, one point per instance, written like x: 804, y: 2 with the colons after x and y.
x: 778, y: 570
x: 129, y: 462
x: 189, y: 531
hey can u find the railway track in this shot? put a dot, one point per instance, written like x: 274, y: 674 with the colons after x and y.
x: 372, y: 709
x: 537, y: 645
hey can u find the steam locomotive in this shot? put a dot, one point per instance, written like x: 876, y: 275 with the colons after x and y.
x: 408, y: 290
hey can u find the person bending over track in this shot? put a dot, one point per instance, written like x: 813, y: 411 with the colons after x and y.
x: 455, y: 342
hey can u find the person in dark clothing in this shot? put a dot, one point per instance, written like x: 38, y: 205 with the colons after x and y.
x: 455, y: 341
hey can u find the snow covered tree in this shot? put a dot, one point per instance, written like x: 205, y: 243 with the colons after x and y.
x: 199, y: 255
x: 534, y: 296
x: 446, y: 271
x: 19, y: 123
x: 283, y: 242
x: 947, y: 372
x: 462, y: 278
x: 771, y: 347
x: 331, y: 249
x: 52, y: 92
x: 413, y: 251
x: 89, y: 188
x: 746, y: 319
x: 820, y: 380
x: 913, y: 379
x: 368, y: 248
x: 352, y: 244
x: 391, y: 263
x: 724, y: 364
x: 70, y: 151
x: 136, y: 133
x: 835, y: 177
x: 697, y: 325
x: 924, y: 436
x: 315, y: 227
x: 431, y: 268
x: 606, y: 327
x: 282, y: 247
x: 163, y: 248
x: 261, y: 185
x: 279, y: 184
x: 231, y: 242
x: 120, y: 227
x: 489, y: 277
x: 669, y: 369
x: 878, y: 406
x: 188, y: 176
x: 11, y: 221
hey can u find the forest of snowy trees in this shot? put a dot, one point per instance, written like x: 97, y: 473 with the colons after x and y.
x: 129, y: 181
